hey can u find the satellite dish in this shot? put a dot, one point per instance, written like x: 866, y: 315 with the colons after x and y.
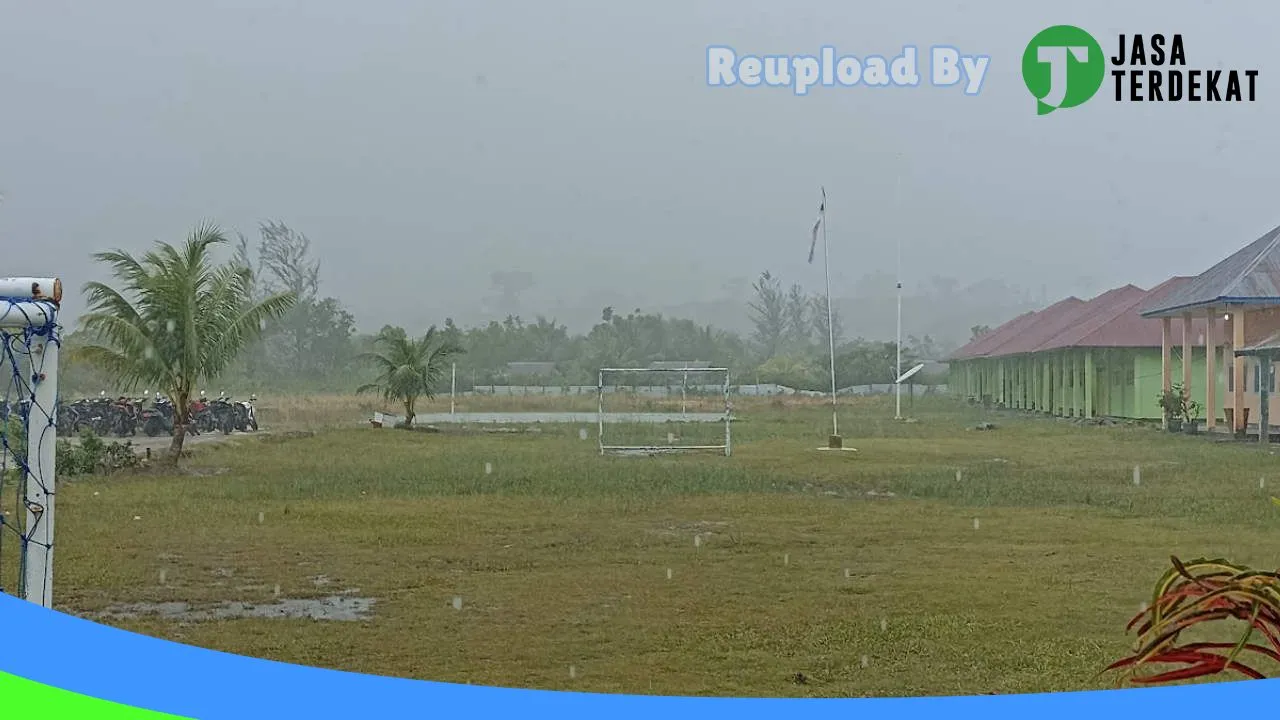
x: 908, y: 374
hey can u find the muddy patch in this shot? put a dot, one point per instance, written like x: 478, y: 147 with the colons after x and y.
x: 340, y: 608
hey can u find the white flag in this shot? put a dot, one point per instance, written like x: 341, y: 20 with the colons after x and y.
x: 822, y: 214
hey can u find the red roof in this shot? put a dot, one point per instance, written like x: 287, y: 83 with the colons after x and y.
x: 1097, y: 313
x: 1128, y: 328
x: 983, y: 344
x: 1112, y: 319
x: 1046, y: 326
x: 974, y: 347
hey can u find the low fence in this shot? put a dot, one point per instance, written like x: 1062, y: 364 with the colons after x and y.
x: 765, y: 390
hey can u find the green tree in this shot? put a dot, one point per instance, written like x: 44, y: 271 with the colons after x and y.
x: 408, y: 368
x: 178, y: 320
x: 312, y: 342
x: 769, y: 316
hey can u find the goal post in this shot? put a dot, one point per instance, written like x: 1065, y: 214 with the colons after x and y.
x: 29, y: 344
x: 664, y: 410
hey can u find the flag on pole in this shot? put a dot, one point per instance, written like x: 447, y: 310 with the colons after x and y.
x: 822, y: 212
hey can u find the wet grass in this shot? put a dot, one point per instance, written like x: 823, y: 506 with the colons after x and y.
x: 561, y: 557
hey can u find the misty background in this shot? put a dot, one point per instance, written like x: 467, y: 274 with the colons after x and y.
x: 470, y: 160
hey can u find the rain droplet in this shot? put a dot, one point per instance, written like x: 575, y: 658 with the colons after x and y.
x: 262, y: 517
x: 976, y: 525
x: 95, y: 493
x: 137, y: 517
x: 671, y: 438
x: 162, y: 577
x: 865, y: 661
x: 884, y: 625
x: 848, y: 574
x: 262, y: 324
x: 488, y: 468
x: 170, y: 326
x: 1262, y: 482
x: 148, y: 353
x: 582, y: 434
x: 959, y: 475
x: 1137, y: 475
x: 573, y: 672
x: 668, y: 573
x: 457, y: 602
x: 786, y: 559
x: 697, y: 541
x: 276, y: 590
x: 1142, y: 607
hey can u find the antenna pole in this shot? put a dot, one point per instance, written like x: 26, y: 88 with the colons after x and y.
x: 831, y: 328
x: 897, y: 387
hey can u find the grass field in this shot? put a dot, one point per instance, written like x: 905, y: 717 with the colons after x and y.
x: 869, y: 573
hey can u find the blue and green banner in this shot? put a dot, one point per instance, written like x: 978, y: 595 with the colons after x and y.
x: 70, y: 668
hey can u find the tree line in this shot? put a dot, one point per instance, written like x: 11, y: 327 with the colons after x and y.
x: 313, y: 345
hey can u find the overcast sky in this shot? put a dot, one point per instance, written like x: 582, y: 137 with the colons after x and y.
x: 422, y: 145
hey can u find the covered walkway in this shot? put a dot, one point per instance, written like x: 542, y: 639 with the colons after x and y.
x: 1238, y: 300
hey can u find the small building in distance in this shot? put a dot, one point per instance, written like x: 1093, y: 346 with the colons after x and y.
x: 678, y: 364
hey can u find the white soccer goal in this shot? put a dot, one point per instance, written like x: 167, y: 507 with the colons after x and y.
x: 664, y: 410
x: 29, y: 341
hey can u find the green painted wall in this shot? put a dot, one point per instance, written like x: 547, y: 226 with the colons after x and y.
x: 1147, y: 370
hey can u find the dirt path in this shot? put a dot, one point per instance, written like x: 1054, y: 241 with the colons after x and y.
x: 156, y: 444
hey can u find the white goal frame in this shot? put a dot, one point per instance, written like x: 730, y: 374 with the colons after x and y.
x: 601, y: 415
x: 29, y: 314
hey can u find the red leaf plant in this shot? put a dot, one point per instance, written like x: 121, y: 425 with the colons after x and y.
x: 1195, y: 594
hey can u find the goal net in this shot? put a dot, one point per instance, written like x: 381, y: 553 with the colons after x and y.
x: 656, y: 410
x: 29, y: 341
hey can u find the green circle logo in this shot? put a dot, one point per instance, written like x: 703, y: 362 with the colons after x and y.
x: 1063, y: 67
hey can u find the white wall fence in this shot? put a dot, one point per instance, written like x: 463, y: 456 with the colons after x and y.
x: 675, y: 390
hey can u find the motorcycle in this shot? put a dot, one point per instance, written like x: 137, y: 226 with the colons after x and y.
x: 247, y: 415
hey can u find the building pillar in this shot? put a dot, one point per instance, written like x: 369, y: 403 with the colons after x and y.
x: 1265, y: 364
x: 1061, y: 402
x: 1077, y: 385
x: 1047, y: 387
x: 1237, y: 397
x: 1210, y: 371
x: 1023, y: 379
x: 1188, y: 356
x: 1089, y: 373
x: 1166, y: 362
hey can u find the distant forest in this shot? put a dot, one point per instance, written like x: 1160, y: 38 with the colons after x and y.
x: 781, y: 337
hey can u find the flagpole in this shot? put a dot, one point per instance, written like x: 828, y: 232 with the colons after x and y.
x: 897, y: 387
x: 831, y: 328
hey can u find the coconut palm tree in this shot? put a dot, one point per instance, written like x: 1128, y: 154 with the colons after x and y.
x: 408, y: 368
x: 176, y: 321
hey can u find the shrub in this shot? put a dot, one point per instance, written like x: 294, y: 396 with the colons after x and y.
x: 93, y: 456
x: 1205, y: 592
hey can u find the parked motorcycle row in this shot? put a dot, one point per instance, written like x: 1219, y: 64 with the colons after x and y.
x: 126, y: 417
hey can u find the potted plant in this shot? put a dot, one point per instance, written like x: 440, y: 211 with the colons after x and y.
x: 1191, y: 417
x: 1174, y: 403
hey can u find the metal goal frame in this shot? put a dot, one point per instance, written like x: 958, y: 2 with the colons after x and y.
x: 29, y: 342
x: 726, y: 447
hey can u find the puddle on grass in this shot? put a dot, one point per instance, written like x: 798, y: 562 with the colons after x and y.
x: 337, y: 607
